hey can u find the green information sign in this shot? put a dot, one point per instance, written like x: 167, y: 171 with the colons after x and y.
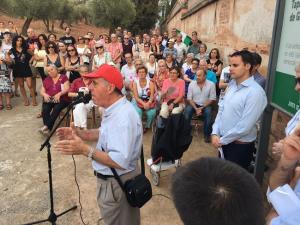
x: 284, y: 97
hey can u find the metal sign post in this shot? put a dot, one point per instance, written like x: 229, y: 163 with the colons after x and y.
x: 263, y: 140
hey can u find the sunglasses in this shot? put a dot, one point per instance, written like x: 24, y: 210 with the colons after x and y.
x: 297, y: 80
x: 50, y: 46
x: 71, y: 50
x: 99, y: 47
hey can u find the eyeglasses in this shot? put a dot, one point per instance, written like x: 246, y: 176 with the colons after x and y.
x: 195, y: 63
x: 297, y: 80
x: 99, y: 47
x: 71, y: 50
x: 50, y: 46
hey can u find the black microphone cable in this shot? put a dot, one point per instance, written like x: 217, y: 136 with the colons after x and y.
x: 79, y: 196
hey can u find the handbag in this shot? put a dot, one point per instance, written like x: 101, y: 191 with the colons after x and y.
x: 138, y: 190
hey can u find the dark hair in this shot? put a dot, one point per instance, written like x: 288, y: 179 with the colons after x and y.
x: 52, y: 35
x: 177, y: 70
x: 218, y: 53
x: 14, y: 42
x: 205, y: 46
x: 195, y: 59
x: 67, y: 28
x: 54, y: 45
x: 247, y: 57
x: 75, y: 49
x: 142, y: 67
x: 0, y: 41
x: 39, y: 44
x: 152, y: 54
x: 256, y: 59
x: 218, y: 192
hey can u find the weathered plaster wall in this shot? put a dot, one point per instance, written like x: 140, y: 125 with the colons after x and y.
x: 230, y: 24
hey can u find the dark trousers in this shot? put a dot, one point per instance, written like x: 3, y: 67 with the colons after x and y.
x: 206, y: 113
x: 241, y: 154
x: 41, y: 72
x: 50, y: 112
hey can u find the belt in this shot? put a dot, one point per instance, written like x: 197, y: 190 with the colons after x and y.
x: 242, y: 143
x: 102, y: 176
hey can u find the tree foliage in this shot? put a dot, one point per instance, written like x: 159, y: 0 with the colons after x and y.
x: 146, y: 15
x: 108, y: 13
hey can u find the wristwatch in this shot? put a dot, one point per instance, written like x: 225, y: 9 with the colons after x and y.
x: 91, y: 153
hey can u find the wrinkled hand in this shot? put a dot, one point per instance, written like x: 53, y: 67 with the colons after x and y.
x: 57, y: 97
x: 199, y: 111
x: 291, y: 147
x: 215, y: 140
x: 277, y: 148
x: 47, y: 98
x: 73, y: 146
x: 65, y: 133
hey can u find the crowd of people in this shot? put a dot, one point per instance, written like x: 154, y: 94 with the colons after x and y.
x: 160, y: 76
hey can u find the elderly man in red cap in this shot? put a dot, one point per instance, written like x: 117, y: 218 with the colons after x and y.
x: 119, y: 141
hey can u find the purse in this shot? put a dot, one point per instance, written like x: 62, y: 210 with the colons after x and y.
x: 138, y: 190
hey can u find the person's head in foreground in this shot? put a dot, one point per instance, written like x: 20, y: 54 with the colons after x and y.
x: 106, y: 85
x: 212, y: 191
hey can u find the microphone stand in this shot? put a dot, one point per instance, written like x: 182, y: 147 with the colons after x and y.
x: 53, y: 217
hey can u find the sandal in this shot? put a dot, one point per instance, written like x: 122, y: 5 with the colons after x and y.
x: 26, y: 103
x: 8, y: 107
x: 34, y: 103
x: 1, y: 107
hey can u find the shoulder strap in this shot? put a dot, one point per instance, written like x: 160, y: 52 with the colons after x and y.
x: 117, y: 177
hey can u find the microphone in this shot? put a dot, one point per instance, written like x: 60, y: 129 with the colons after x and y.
x: 82, y: 98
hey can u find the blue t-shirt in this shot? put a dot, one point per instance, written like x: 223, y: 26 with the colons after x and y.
x: 211, y: 76
x: 191, y: 75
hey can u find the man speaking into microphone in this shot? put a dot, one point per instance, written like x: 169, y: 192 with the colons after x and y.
x: 119, y: 141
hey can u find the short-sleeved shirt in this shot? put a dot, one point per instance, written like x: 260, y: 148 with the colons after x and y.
x: 115, y: 49
x: 217, y: 63
x: 52, y: 88
x: 77, y: 83
x: 200, y: 96
x: 120, y: 135
x: 68, y: 40
x: 129, y: 73
x: 179, y: 89
x: 159, y: 79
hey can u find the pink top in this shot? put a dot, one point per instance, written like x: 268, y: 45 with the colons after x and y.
x: 52, y: 88
x: 76, y: 84
x: 115, y: 49
x: 179, y: 86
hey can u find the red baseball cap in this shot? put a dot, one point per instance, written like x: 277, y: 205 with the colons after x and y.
x: 108, y: 73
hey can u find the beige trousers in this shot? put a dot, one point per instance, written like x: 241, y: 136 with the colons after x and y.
x: 113, y: 204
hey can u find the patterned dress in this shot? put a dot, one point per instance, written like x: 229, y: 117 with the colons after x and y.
x: 5, y: 83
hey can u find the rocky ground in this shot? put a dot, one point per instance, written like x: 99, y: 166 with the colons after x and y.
x: 24, y: 176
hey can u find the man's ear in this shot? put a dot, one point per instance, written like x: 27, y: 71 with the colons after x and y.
x: 248, y: 66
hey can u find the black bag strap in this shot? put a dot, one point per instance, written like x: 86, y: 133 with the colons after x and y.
x: 116, y: 175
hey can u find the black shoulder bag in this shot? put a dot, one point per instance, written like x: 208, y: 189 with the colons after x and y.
x: 138, y: 190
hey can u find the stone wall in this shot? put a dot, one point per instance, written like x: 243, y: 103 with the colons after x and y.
x: 228, y: 24
x: 232, y: 24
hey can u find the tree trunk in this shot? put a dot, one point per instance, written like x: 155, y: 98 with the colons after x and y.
x: 46, y: 22
x: 26, y: 26
x: 52, y: 26
x: 61, y: 25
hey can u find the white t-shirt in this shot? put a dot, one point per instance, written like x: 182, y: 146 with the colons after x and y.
x: 185, y: 67
x: 151, y: 68
x: 181, y: 51
x: 225, y: 74
x: 98, y: 61
x: 128, y: 73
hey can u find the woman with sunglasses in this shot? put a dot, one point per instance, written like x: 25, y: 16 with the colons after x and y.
x: 83, y: 50
x: 40, y: 54
x: 101, y: 56
x: 53, y: 57
x: 73, y: 62
x: 21, y: 69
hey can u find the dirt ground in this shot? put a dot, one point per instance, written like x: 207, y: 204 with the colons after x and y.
x: 24, y: 177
